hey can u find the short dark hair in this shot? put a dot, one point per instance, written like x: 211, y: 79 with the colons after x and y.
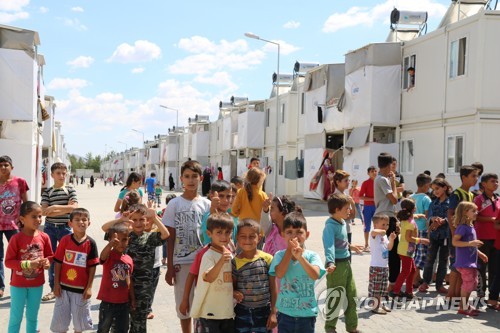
x: 423, y: 179
x: 379, y: 216
x: 27, y: 207
x: 220, y: 186
x: 138, y: 208
x: 384, y: 160
x: 237, y: 180
x: 192, y: 165
x: 220, y: 221
x: 488, y: 176
x: 337, y: 201
x: 410, y: 69
x: 58, y: 166
x: 169, y: 197
x: 479, y: 166
x: 6, y: 158
x: 153, y: 174
x: 339, y: 175
x: 250, y: 224
x: 427, y: 172
x: 79, y: 212
x: 119, y: 228
x: 295, y: 220
x: 466, y: 170
x: 370, y: 168
x: 254, y: 159
x: 441, y: 175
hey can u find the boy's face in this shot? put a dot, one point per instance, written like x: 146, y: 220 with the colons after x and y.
x: 471, y: 179
x: 122, y: 242
x: 79, y: 223
x: 426, y: 187
x: 59, y: 176
x: 344, y: 212
x: 394, y: 165
x: 343, y: 184
x: 295, y: 233
x: 220, y: 237
x: 225, y: 200
x: 255, y: 164
x: 248, y: 238
x: 381, y: 224
x: 373, y: 173
x: 191, y: 180
x: 490, y: 185
x: 138, y: 222
x: 5, y: 168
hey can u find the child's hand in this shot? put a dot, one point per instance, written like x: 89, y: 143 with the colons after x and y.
x: 297, y: 252
x: 398, y: 228
x: 184, y: 307
x: 37, y: 263
x: 226, y: 256
x: 357, y: 248
x: 132, y: 305
x: 424, y: 241
x: 238, y: 296
x: 114, y: 240
x: 150, y: 213
x: 330, y: 269
x: 170, y: 276
x: 46, y: 263
x: 483, y: 257
x: 292, y: 243
x: 125, y: 216
x: 215, y: 202
x: 393, y: 235
x: 267, y: 203
x: 475, y: 243
x: 57, y: 290
x: 272, y: 321
x: 150, y: 203
x: 87, y: 293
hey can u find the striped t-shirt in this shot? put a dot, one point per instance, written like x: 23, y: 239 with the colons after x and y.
x: 252, y: 279
x: 58, y: 196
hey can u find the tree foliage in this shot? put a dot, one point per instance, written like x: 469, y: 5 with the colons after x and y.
x: 89, y: 162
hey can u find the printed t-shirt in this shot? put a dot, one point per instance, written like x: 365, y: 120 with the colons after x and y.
x: 422, y: 203
x: 466, y: 257
x: 213, y: 300
x: 367, y: 190
x: 296, y: 296
x: 23, y: 247
x: 382, y: 187
x: 58, y: 196
x: 141, y: 248
x: 487, y: 207
x: 185, y: 217
x: 252, y: 279
x: 379, y: 251
x: 195, y: 266
x: 10, y: 202
x: 116, y: 274
x: 406, y: 248
x: 75, y: 259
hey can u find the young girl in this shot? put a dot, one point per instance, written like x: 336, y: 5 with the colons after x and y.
x: 406, y: 249
x: 279, y: 208
x: 134, y: 182
x: 28, y: 254
x: 249, y: 201
x: 466, y: 244
x: 131, y: 198
x: 439, y: 236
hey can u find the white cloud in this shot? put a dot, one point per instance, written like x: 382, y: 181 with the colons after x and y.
x: 108, y: 97
x: 77, y: 9
x: 81, y: 62
x: 141, y: 51
x: 366, y: 16
x: 221, y: 79
x: 74, y: 23
x: 43, y: 10
x: 13, y: 5
x: 291, y: 25
x: 67, y: 83
x: 7, y: 17
x: 137, y: 70
x: 285, y: 48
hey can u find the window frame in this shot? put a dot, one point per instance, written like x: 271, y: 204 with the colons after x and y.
x: 281, y: 165
x: 267, y: 118
x: 409, y: 61
x: 282, y: 111
x: 458, y: 161
x: 457, y: 66
x: 407, y: 156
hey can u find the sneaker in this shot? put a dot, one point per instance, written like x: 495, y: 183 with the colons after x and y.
x: 366, y: 249
x: 409, y: 296
x: 49, y: 297
x: 442, y: 290
x: 468, y: 313
x: 423, y: 287
x: 379, y: 311
x: 394, y: 295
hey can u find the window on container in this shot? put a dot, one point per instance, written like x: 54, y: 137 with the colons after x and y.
x: 409, y: 62
x: 407, y: 156
x: 281, y: 166
x: 302, y: 104
x: 458, y: 57
x: 283, y: 113
x: 267, y: 117
x: 454, y: 153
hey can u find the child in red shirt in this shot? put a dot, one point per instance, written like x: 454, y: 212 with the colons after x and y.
x: 28, y: 254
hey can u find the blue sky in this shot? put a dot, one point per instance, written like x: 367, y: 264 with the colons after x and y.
x: 110, y: 64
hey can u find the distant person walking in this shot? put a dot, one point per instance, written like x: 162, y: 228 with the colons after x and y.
x: 92, y: 181
x: 171, y: 184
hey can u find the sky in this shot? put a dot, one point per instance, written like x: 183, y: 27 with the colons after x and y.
x: 111, y: 64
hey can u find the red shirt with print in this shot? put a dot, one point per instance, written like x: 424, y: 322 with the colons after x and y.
x: 75, y: 259
x: 10, y: 202
x: 115, y: 283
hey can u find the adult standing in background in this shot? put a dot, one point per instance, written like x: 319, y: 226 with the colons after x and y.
x: 171, y: 183
x: 92, y: 181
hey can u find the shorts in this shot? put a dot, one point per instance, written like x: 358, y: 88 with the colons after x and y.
x: 368, y: 212
x: 181, y: 273
x: 421, y: 253
x: 203, y: 325
x: 151, y: 196
x: 469, y: 278
x: 378, y: 281
x: 71, y: 305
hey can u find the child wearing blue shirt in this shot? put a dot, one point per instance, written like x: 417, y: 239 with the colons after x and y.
x: 337, y: 265
x: 297, y: 269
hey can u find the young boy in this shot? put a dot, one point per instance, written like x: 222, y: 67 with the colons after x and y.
x: 183, y: 221
x: 116, y: 292
x: 366, y: 194
x: 379, y: 270
x: 337, y: 264
x: 386, y: 198
x: 57, y: 203
x: 213, y: 296
x: 149, y: 187
x: 297, y: 269
x: 341, y: 181
x: 254, y: 288
x: 468, y: 176
x: 141, y: 249
x: 422, y: 203
x: 75, y: 260
x: 13, y: 192
x: 158, y: 193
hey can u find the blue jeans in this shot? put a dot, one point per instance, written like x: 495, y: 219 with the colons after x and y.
x: 288, y: 324
x: 55, y: 232
x: 21, y: 297
x: 251, y: 319
x: 8, y: 234
x: 113, y: 314
x: 368, y: 212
